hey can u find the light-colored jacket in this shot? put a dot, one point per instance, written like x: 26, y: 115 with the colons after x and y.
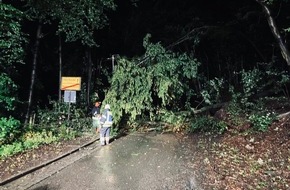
x: 107, y: 118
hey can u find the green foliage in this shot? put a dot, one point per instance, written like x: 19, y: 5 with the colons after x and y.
x: 10, y: 149
x: 77, y: 19
x: 235, y: 98
x: 235, y: 108
x: 37, y: 135
x: 160, y: 80
x: 11, y: 37
x: 261, y: 121
x: 58, y: 115
x: 114, y: 132
x: 211, y: 93
x: 256, y: 80
x: 250, y: 82
x: 245, y: 105
x: 170, y: 117
x: 7, y: 88
x: 9, y: 127
x: 176, y: 121
x: 11, y: 41
x: 236, y: 113
x: 279, y: 80
x: 259, y: 117
x: 33, y: 139
x: 130, y: 90
x: 207, y: 124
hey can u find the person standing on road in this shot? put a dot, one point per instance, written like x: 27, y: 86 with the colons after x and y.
x: 106, y: 124
x: 96, y: 116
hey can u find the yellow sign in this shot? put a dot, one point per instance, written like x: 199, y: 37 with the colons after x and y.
x: 70, y: 83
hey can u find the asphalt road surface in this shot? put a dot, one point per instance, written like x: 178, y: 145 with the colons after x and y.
x: 134, y: 162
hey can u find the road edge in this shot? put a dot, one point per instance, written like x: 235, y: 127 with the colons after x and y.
x: 32, y: 169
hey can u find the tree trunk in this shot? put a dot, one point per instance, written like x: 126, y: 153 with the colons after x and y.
x: 89, y: 76
x: 208, y: 108
x: 33, y: 72
x: 60, y: 68
x: 275, y: 31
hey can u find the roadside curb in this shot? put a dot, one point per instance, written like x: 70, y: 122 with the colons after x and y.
x: 30, y: 170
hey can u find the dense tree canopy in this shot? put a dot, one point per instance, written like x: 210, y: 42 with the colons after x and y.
x: 11, y: 54
x: 225, y: 37
x: 76, y: 19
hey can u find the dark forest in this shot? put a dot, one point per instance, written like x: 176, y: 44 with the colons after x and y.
x: 191, y: 65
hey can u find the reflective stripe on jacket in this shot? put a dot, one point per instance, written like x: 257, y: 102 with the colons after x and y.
x: 107, y: 118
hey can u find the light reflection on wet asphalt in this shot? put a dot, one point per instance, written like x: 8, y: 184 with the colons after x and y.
x: 136, y: 161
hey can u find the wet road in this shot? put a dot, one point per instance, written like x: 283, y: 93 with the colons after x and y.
x: 136, y: 162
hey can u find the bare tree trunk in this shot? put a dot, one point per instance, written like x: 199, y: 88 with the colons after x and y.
x: 275, y: 31
x: 33, y: 72
x: 89, y: 76
x: 60, y: 68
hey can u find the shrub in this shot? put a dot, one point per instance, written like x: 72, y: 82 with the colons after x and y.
x: 58, y: 117
x: 10, y: 149
x: 66, y: 132
x: 212, y: 89
x: 8, y: 129
x: 34, y: 139
x: 170, y: 117
x: 261, y: 121
x: 207, y: 124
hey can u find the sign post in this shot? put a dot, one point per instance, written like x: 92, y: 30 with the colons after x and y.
x: 70, y: 85
x: 70, y: 96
